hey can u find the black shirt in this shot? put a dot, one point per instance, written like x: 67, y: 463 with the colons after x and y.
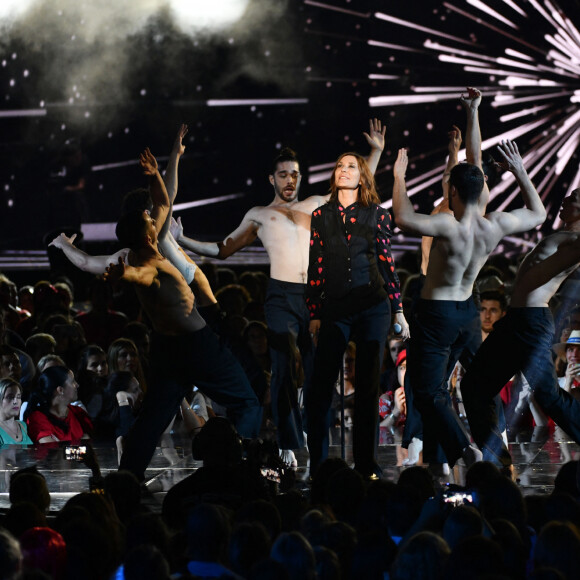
x: 351, y: 267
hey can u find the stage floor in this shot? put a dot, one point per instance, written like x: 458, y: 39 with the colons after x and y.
x: 536, y: 464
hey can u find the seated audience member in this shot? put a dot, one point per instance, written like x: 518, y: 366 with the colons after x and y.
x: 123, y: 489
x: 45, y: 298
x: 373, y: 557
x: 65, y: 301
x: 146, y: 562
x: 122, y: 400
x: 124, y: 356
x: 208, y: 534
x: 50, y: 360
x: 10, y: 344
x: 558, y: 548
x: 423, y: 557
x: 9, y: 363
x: 262, y: 512
x: 10, y: 556
x: 92, y: 375
x: 101, y: 324
x: 249, y: 544
x: 94, y: 360
x: 475, y: 556
x: 493, y: 306
x: 256, y: 339
x: 224, y: 475
x: 140, y: 334
x: 11, y: 429
x: 349, y: 385
x: 394, y: 346
x: 292, y: 550
x: 571, y: 351
x: 28, y: 484
x: 44, y: 549
x: 39, y: 345
x: 8, y: 302
x: 47, y: 361
x: 93, y: 535
x: 463, y: 521
x: 23, y: 516
x: 392, y: 410
x: 50, y: 414
x: 69, y: 336
x: 26, y: 299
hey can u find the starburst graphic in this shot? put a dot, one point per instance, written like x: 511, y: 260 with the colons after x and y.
x: 524, y: 57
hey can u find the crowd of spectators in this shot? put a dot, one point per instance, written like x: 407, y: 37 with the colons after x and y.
x: 86, y: 362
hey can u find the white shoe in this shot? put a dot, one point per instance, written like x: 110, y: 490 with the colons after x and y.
x: 288, y: 458
x: 415, y: 447
x: 471, y: 454
x: 439, y: 469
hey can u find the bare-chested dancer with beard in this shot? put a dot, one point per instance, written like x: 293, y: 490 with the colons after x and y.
x: 283, y: 227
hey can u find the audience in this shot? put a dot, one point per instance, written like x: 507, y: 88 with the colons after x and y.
x: 225, y: 520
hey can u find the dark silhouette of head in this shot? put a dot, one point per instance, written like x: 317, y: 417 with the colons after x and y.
x: 468, y: 181
x: 131, y: 229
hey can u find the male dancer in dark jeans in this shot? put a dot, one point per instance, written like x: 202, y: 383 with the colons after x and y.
x: 283, y: 227
x: 446, y: 322
x: 183, y: 351
x: 521, y: 341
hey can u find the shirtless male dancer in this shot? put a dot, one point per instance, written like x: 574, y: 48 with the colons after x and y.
x: 98, y: 264
x: 446, y: 324
x: 522, y: 341
x: 183, y: 349
x: 283, y: 226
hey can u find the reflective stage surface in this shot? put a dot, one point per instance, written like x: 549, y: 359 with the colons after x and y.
x: 536, y: 465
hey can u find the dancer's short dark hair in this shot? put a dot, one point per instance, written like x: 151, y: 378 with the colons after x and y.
x: 130, y: 229
x: 284, y: 155
x: 468, y: 180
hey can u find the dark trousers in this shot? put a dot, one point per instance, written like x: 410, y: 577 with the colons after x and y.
x: 442, y: 333
x: 177, y: 363
x: 369, y: 330
x: 288, y: 318
x: 521, y: 341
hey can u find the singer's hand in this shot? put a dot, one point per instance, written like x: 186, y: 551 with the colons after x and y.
x: 400, y: 320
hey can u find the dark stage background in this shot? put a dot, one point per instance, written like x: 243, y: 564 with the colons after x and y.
x: 119, y: 76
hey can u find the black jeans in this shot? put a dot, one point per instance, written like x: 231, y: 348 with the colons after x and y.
x: 442, y: 333
x: 368, y: 329
x: 288, y: 318
x: 178, y: 363
x: 521, y: 341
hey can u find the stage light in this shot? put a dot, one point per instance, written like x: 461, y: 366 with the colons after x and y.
x: 10, y: 9
x: 214, y: 15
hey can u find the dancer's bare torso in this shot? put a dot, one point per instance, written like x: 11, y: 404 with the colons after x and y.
x: 544, y: 269
x: 284, y: 230
x: 455, y: 261
x: 166, y: 298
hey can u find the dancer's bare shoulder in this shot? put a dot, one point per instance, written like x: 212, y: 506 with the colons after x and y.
x: 545, y: 268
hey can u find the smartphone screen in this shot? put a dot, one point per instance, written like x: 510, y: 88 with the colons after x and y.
x: 75, y: 452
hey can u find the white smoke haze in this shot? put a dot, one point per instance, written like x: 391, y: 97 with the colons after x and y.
x: 94, y: 54
x: 110, y: 20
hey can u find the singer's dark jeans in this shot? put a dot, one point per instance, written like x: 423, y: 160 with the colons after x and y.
x: 368, y: 329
